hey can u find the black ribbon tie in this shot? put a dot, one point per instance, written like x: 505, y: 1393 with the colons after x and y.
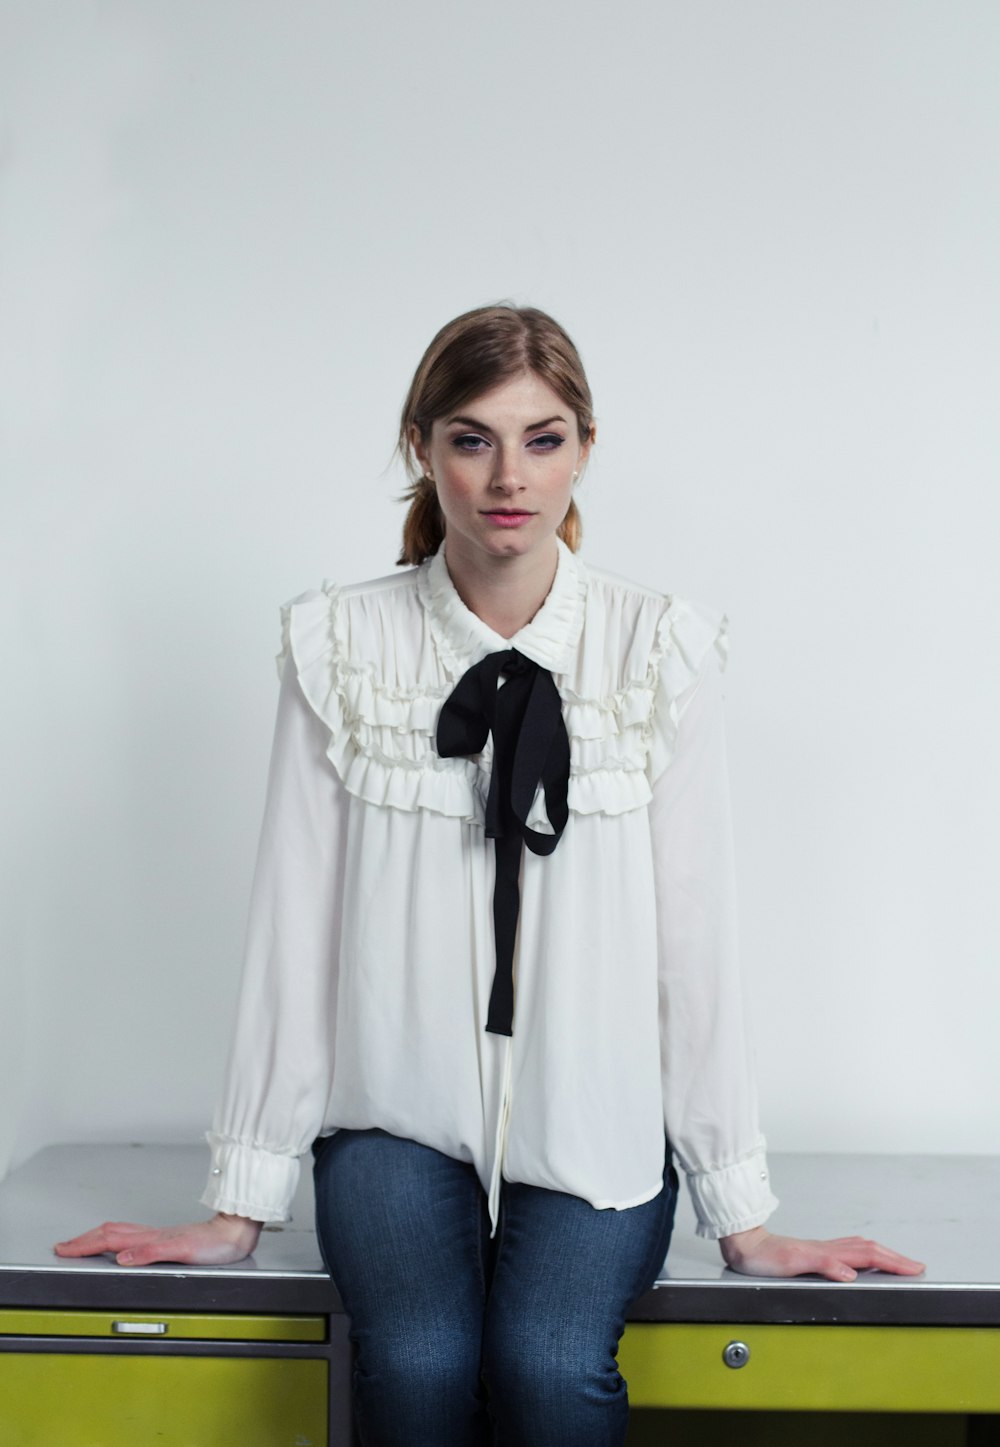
x: 530, y: 747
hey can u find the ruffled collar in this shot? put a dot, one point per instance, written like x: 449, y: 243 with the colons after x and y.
x: 549, y: 639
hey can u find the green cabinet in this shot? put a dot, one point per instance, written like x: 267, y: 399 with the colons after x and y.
x: 812, y: 1368
x: 52, y: 1399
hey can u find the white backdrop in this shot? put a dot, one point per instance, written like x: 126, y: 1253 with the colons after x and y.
x: 229, y: 230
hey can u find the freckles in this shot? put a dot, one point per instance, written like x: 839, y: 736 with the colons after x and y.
x: 456, y: 483
x: 461, y: 476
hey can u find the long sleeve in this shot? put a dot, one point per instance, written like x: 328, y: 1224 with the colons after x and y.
x: 709, y: 1093
x: 280, y: 1065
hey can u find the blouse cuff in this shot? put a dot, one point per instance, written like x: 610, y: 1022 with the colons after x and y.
x: 248, y: 1180
x: 734, y: 1197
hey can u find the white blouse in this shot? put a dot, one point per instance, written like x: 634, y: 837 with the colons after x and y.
x: 370, y: 951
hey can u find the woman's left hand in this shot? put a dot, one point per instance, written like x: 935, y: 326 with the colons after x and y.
x: 758, y: 1253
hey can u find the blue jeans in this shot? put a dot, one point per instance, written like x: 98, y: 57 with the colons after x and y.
x: 463, y: 1341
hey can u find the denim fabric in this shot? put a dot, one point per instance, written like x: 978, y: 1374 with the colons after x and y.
x: 467, y: 1342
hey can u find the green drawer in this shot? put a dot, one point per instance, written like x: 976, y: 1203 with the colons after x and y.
x: 816, y: 1368
x: 85, y: 1400
x: 172, y: 1326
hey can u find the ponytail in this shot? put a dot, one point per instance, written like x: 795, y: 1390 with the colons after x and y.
x: 571, y: 528
x: 423, y: 526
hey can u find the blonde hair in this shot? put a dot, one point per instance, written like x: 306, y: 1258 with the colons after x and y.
x: 469, y: 356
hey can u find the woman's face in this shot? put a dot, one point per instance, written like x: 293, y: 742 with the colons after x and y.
x: 503, y: 467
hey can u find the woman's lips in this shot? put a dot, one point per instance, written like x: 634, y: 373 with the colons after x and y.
x: 508, y: 519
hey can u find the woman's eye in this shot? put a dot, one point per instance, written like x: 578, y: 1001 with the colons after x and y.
x: 547, y: 442
x: 468, y: 442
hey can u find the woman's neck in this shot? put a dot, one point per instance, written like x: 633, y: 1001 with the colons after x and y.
x: 505, y: 593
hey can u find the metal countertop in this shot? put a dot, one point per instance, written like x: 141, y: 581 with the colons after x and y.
x: 940, y: 1209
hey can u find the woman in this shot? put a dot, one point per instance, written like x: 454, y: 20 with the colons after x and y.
x: 491, y: 974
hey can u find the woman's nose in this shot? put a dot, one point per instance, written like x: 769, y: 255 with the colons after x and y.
x: 507, y: 476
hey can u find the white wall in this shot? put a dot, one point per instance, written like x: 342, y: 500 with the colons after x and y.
x: 229, y: 230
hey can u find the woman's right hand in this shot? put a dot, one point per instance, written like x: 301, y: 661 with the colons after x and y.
x: 218, y: 1242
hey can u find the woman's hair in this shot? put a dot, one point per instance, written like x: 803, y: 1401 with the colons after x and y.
x: 469, y: 356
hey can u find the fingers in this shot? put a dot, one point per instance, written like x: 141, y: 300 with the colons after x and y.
x: 834, y: 1269
x: 864, y: 1254
x: 111, y: 1236
x: 843, y: 1259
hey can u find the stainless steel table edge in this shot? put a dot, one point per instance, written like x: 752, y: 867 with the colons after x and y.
x: 815, y: 1302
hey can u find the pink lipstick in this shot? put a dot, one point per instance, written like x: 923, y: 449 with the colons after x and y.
x: 508, y: 519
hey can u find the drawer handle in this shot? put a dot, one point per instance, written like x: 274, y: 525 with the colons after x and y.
x: 736, y: 1354
x: 140, y: 1328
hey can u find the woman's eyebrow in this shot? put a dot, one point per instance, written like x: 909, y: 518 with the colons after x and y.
x: 484, y: 427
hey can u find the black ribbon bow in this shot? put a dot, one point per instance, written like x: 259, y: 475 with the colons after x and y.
x: 530, y: 747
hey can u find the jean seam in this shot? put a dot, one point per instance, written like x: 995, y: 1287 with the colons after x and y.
x: 477, y: 1212
x: 501, y: 1228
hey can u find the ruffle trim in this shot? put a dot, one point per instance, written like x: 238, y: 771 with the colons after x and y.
x: 243, y: 1176
x: 382, y: 739
x: 732, y: 1198
x: 461, y: 637
x: 687, y: 635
